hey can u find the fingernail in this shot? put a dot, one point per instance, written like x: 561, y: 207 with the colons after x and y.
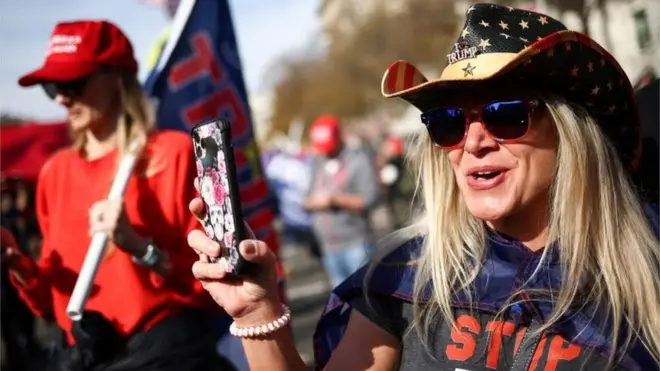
x: 214, y: 247
x: 223, y: 264
x: 250, y: 248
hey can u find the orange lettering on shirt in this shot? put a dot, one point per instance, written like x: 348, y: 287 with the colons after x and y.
x: 519, y: 336
x: 561, y: 350
x: 538, y: 353
x: 497, y: 328
x: 461, y: 335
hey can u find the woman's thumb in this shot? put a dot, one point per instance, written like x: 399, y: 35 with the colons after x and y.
x: 256, y: 251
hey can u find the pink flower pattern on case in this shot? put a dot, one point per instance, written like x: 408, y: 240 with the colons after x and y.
x: 214, y: 189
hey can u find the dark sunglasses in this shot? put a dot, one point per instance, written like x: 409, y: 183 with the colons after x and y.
x: 74, y: 88
x: 505, y: 121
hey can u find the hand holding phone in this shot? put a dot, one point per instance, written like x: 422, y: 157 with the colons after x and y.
x: 218, y: 186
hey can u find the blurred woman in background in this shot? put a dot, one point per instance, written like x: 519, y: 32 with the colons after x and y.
x: 145, y: 311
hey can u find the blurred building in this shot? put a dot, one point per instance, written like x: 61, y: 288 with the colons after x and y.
x: 629, y: 30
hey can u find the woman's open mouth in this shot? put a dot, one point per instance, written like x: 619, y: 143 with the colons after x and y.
x: 485, y: 178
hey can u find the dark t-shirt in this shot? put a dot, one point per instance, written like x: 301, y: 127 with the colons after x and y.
x: 385, y: 311
x: 479, y: 342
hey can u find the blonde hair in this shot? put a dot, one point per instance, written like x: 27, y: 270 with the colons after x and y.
x: 136, y: 121
x: 605, y: 240
x: 136, y: 115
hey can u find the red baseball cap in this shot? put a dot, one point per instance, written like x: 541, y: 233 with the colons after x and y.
x: 396, y: 145
x: 79, y: 48
x: 325, y: 134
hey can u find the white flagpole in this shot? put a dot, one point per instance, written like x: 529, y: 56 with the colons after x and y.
x: 96, y: 248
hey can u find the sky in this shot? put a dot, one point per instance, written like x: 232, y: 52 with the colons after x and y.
x: 266, y: 30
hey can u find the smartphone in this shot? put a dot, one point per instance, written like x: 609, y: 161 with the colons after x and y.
x: 218, y: 186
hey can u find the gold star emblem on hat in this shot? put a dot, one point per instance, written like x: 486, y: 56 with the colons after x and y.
x: 484, y: 43
x: 468, y: 70
x: 575, y: 71
x: 590, y: 67
x: 595, y: 90
x: 524, y: 24
x: 543, y: 20
x: 465, y: 32
x: 506, y: 36
x: 503, y: 25
x: 484, y: 23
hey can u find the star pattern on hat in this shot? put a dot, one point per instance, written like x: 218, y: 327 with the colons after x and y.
x: 468, y: 69
x: 575, y: 71
x: 550, y: 57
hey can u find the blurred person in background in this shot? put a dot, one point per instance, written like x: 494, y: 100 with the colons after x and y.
x: 288, y: 170
x: 392, y: 176
x: 344, y: 190
x: 532, y: 249
x: 22, y: 349
x: 145, y: 311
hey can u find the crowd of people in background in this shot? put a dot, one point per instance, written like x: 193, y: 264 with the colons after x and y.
x: 387, y: 180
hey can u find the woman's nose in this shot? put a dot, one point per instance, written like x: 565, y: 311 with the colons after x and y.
x: 477, y: 138
x: 62, y: 99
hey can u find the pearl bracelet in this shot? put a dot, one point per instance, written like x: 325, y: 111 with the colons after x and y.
x: 268, y: 328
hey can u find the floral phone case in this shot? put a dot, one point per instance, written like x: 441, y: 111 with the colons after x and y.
x: 218, y: 187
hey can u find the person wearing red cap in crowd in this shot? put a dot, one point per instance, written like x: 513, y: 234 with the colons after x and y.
x: 344, y: 189
x: 145, y: 310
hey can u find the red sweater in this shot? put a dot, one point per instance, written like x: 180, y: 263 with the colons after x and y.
x: 131, y: 296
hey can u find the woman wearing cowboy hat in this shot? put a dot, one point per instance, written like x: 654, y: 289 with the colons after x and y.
x: 532, y: 250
